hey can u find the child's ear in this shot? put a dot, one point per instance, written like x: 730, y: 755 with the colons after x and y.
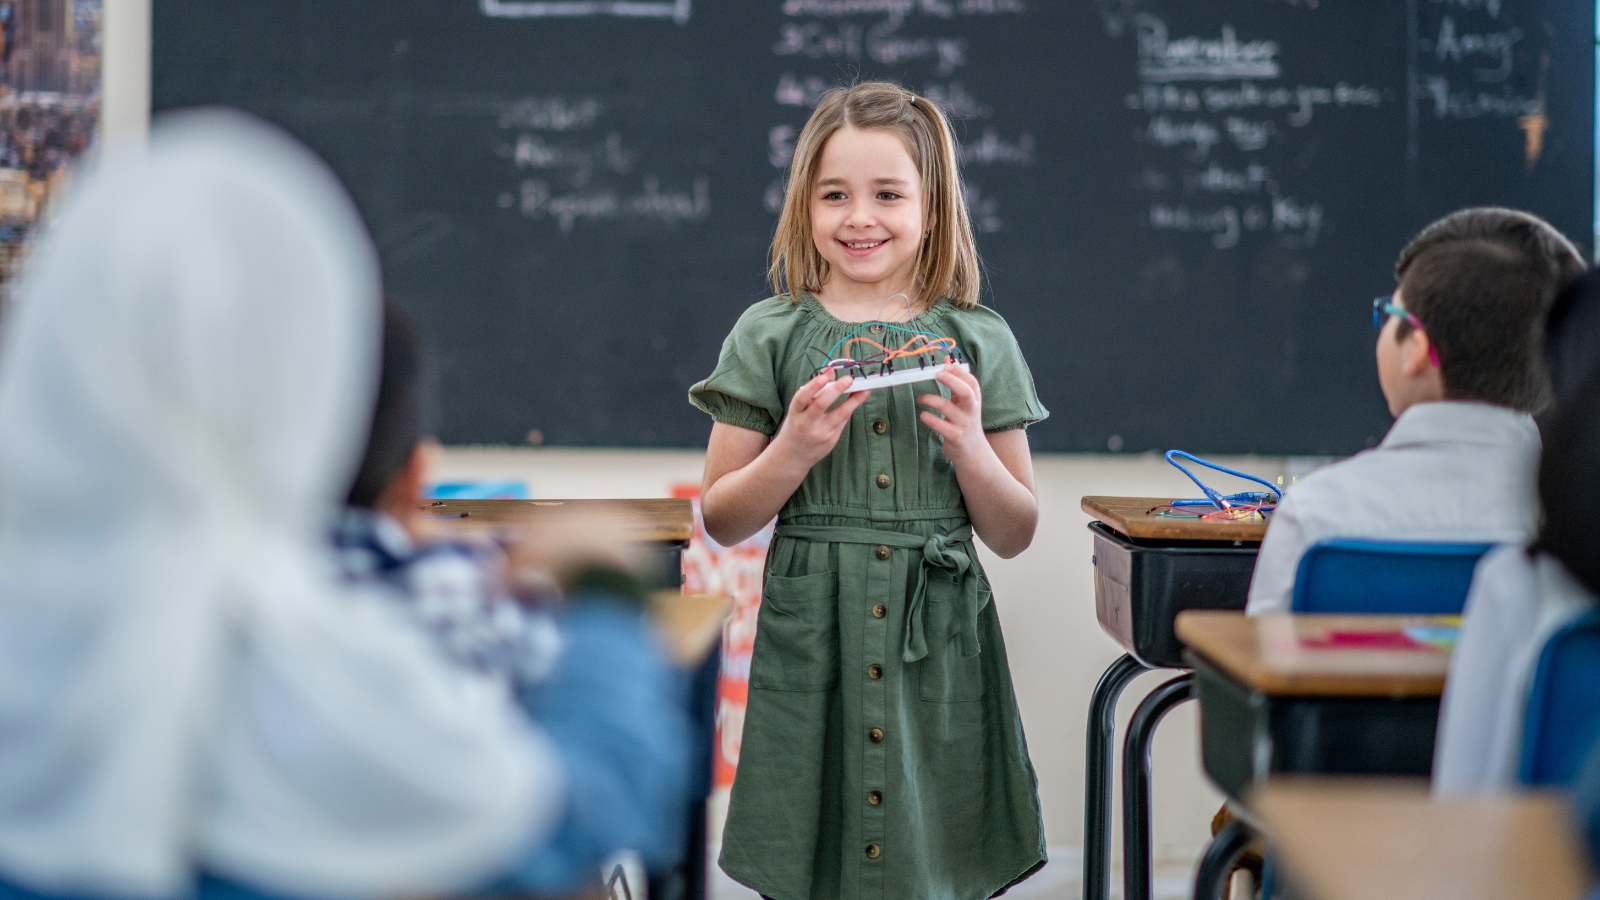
x: 1417, y: 353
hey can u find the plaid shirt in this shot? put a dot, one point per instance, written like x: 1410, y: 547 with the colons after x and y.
x: 454, y: 590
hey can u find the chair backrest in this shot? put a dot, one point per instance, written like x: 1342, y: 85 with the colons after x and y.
x: 1345, y: 575
x: 1563, y: 716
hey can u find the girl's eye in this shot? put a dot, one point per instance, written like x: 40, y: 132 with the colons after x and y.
x: 888, y: 195
x: 833, y: 195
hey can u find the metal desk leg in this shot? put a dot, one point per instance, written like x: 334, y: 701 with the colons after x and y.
x: 1097, y: 775
x: 1222, y: 854
x: 1136, y: 874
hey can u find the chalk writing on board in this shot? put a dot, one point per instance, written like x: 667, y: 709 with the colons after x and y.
x: 1492, y: 7
x: 1226, y: 58
x: 572, y: 175
x: 991, y: 149
x: 676, y: 10
x: 1495, y: 46
x: 551, y: 114
x: 952, y: 96
x: 536, y: 200
x: 900, y: 9
x: 1215, y: 101
x: 1471, y: 50
x: 905, y: 37
x: 1446, y: 102
x: 1301, y: 101
x: 1298, y: 224
x: 531, y: 151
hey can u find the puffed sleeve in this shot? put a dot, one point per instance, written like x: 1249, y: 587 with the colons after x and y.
x: 1009, y: 398
x: 743, y: 389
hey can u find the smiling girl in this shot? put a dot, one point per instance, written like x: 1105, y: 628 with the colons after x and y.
x: 883, y: 754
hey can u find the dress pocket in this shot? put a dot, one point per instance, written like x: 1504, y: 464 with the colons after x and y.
x: 797, y: 634
x: 947, y: 676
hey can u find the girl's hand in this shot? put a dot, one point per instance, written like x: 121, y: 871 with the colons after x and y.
x: 811, y: 429
x: 960, y: 418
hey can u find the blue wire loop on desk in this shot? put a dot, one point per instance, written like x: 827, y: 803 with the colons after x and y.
x: 1221, y: 501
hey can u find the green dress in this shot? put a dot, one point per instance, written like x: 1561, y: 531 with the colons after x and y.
x: 883, y: 754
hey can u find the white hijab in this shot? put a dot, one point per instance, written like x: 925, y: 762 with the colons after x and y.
x: 185, y: 383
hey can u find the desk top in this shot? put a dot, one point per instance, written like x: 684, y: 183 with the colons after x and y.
x: 1277, y: 654
x: 1133, y: 517
x: 1369, y: 839
x: 667, y: 521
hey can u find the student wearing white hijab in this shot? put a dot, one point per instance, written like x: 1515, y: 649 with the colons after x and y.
x: 185, y: 687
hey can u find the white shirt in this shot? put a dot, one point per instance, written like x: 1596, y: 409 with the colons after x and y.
x: 1517, y: 602
x: 1446, y: 471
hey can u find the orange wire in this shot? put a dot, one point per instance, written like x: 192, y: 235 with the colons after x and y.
x: 904, y: 350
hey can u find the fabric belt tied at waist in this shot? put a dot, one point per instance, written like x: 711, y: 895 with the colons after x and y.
x: 951, y: 553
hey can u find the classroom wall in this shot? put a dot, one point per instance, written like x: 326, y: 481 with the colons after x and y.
x: 1045, y: 598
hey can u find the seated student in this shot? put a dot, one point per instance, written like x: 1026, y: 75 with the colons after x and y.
x: 191, y: 695
x: 1521, y: 595
x: 1457, y: 363
x: 188, y: 689
x: 627, y: 760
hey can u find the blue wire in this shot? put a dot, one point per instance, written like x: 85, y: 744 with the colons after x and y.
x: 1215, y: 499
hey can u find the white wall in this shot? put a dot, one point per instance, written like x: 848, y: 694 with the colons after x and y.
x: 124, y: 72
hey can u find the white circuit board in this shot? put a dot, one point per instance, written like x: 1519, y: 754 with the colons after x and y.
x: 904, y: 376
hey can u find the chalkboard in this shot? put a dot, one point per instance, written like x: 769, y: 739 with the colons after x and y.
x: 1184, y: 206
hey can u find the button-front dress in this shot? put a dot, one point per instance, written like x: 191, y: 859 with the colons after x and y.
x: 883, y: 754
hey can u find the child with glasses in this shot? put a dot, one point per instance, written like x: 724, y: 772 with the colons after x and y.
x: 1458, y: 364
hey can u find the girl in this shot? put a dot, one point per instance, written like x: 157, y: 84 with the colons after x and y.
x: 882, y: 754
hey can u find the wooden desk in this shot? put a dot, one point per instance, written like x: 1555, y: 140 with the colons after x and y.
x: 1134, y: 517
x: 1373, y: 840
x: 1269, y: 654
x: 667, y: 524
x: 1269, y: 704
x: 660, y: 521
x: 1147, y: 568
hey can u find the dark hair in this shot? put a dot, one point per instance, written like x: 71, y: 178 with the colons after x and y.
x: 1569, y: 483
x: 1572, y: 336
x: 1479, y: 280
x: 404, y: 413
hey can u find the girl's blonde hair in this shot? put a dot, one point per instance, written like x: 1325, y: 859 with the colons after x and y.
x: 947, y: 258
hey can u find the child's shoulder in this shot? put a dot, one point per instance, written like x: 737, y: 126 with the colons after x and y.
x: 772, y: 314
x: 976, y: 327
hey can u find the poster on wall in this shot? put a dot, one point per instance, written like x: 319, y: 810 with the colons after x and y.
x: 49, y: 107
x: 736, y: 572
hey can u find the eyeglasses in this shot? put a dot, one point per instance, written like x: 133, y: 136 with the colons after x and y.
x: 1384, y: 307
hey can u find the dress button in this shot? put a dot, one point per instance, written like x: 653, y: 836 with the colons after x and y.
x: 879, y: 611
x: 875, y: 798
x: 873, y: 851
x: 874, y: 671
x: 876, y: 329
x: 883, y: 481
x: 880, y: 426
x: 882, y: 552
x: 875, y: 735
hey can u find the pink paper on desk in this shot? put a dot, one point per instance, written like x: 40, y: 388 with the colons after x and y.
x: 1365, y: 640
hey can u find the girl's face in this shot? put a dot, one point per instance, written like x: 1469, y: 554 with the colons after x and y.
x: 866, y: 212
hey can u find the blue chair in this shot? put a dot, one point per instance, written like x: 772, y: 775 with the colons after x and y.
x: 1345, y: 575
x: 1563, y: 717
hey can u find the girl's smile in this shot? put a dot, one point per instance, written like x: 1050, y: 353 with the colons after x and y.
x: 862, y: 248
